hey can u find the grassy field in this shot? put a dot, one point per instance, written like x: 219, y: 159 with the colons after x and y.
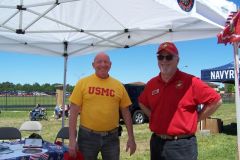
x: 213, y: 147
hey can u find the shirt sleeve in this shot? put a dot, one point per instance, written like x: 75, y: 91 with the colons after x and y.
x: 203, y: 94
x: 125, y: 101
x: 143, y: 98
x: 76, y: 96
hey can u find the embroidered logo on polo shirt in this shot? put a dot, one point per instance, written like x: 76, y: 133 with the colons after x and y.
x: 156, y: 91
x: 179, y: 84
x: 164, y: 45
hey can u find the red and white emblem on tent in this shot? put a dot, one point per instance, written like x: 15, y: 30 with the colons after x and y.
x: 186, y: 5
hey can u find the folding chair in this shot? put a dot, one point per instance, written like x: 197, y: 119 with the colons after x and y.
x: 62, y: 134
x: 10, y: 133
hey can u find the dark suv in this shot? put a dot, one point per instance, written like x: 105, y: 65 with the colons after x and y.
x: 137, y: 114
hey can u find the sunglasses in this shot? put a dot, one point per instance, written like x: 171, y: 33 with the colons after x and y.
x: 167, y: 57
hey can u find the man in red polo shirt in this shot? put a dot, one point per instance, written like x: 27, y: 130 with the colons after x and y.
x: 170, y: 101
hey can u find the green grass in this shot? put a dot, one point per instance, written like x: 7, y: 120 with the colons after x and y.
x: 214, y: 147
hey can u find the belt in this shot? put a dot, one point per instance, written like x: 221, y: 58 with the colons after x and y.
x: 102, y: 133
x: 171, y: 137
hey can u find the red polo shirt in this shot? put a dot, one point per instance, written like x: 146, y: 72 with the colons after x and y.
x: 173, y: 104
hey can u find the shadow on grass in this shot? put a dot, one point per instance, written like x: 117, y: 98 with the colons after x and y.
x: 230, y: 129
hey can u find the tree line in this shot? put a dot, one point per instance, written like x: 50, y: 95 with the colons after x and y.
x: 50, y: 88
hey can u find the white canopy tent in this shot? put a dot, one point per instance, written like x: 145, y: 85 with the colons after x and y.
x: 76, y: 27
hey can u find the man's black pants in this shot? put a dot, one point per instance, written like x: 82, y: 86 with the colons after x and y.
x: 180, y: 149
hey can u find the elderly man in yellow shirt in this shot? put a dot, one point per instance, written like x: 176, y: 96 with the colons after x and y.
x: 98, y: 98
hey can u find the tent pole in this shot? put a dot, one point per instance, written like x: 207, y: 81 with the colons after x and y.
x: 237, y: 100
x: 65, y: 55
x: 201, y: 122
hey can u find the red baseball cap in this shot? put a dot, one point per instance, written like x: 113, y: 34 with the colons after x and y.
x: 168, y: 47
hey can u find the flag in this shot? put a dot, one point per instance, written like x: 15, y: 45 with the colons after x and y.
x: 231, y: 32
x: 39, y: 156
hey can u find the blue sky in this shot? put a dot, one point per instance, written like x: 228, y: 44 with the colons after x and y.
x: 128, y: 65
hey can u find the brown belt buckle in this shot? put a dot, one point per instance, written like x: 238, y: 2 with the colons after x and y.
x: 164, y: 137
x: 108, y: 132
x: 104, y: 134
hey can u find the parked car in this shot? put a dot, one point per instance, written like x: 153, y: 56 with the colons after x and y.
x: 134, y: 90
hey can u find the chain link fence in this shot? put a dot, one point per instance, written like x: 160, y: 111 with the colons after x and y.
x: 26, y: 102
x: 228, y: 97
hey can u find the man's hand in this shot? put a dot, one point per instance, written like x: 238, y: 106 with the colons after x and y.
x: 72, y: 149
x: 208, y: 110
x: 128, y: 123
x: 131, y: 145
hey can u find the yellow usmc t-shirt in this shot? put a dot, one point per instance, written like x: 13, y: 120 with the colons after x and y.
x: 99, y: 100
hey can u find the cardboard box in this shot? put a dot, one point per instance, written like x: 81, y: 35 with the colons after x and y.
x: 215, y: 125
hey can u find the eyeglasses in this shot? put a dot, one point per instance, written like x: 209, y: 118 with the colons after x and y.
x: 167, y: 57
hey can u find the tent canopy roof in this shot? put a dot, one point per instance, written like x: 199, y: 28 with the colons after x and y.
x: 223, y: 67
x: 79, y: 27
x: 224, y: 73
